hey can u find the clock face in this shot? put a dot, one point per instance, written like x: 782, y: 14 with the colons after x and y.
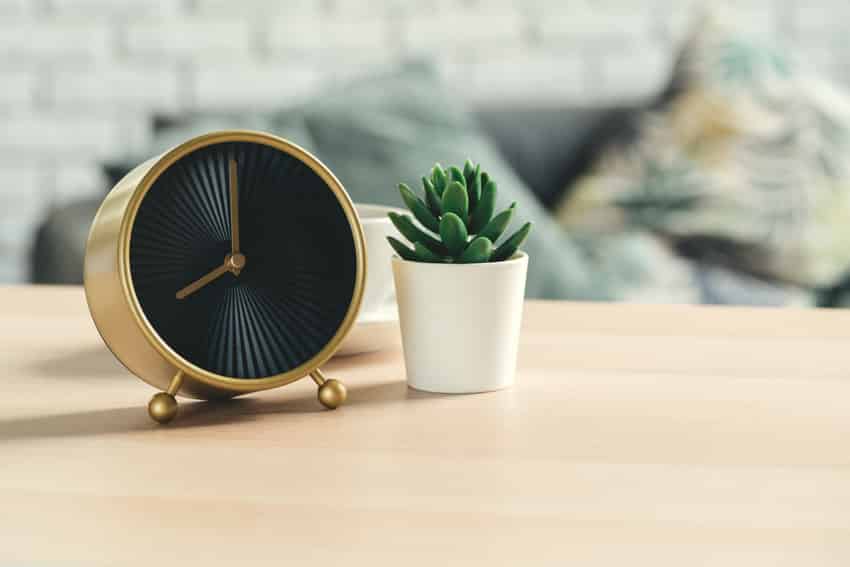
x: 243, y: 260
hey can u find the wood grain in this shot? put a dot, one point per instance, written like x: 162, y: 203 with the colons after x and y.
x: 636, y: 435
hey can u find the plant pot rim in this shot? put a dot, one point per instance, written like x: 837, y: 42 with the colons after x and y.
x: 517, y: 258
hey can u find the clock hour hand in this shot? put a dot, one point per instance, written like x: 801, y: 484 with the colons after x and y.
x: 232, y: 263
x: 202, y: 281
x: 234, y: 210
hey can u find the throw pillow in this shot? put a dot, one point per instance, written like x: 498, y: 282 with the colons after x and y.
x: 748, y: 159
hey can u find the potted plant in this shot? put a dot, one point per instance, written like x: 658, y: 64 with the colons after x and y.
x: 459, y: 294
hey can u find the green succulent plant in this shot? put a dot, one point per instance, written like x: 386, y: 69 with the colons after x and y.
x: 457, y: 217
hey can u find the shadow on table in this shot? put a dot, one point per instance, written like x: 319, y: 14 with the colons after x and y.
x: 98, y: 361
x: 193, y: 414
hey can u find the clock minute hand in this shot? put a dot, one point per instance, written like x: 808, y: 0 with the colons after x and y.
x: 234, y: 208
x: 235, y: 261
x: 205, y: 279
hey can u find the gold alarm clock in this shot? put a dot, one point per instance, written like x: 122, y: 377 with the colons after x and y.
x: 230, y: 264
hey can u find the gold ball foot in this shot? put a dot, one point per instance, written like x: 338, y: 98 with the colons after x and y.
x: 162, y: 408
x: 332, y: 394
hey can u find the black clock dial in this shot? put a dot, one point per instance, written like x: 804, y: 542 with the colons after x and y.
x: 299, y: 273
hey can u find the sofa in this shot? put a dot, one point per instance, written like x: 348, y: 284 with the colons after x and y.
x: 393, y: 124
x: 545, y: 146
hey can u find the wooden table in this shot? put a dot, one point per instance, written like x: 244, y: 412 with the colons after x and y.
x: 636, y: 435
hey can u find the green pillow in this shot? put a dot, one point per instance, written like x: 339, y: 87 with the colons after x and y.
x: 392, y: 127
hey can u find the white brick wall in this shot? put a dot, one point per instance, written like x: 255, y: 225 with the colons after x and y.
x: 118, y: 86
x: 12, y: 8
x: 541, y: 77
x: 819, y: 21
x: 72, y: 181
x: 458, y: 31
x: 257, y: 8
x: 116, y: 9
x: 193, y: 39
x: 18, y: 89
x: 263, y: 86
x: 59, y: 134
x: 590, y: 25
x: 38, y: 41
x: 80, y: 79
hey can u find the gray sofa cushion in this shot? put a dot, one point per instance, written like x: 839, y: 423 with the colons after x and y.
x: 550, y: 147
x: 60, y: 243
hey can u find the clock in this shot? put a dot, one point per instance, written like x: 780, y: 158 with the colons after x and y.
x: 230, y: 264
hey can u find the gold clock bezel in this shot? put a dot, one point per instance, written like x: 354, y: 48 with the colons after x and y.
x: 218, y: 381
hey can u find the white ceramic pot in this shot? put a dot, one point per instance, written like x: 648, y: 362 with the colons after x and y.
x: 460, y: 323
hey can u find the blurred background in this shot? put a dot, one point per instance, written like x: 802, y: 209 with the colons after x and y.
x: 585, y: 108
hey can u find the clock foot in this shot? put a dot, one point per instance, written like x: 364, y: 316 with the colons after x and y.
x: 163, y: 406
x: 332, y: 393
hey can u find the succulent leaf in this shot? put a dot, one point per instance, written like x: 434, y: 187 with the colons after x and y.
x: 456, y: 201
x: 410, y: 231
x: 453, y: 232
x: 473, y: 188
x: 418, y: 208
x: 402, y: 250
x: 479, y: 250
x: 484, y: 211
x: 425, y: 255
x: 497, y: 225
x: 431, y: 197
x: 438, y: 178
x: 468, y: 168
x: 512, y: 244
x: 456, y: 174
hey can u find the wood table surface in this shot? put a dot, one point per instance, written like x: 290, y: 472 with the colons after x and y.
x: 636, y: 435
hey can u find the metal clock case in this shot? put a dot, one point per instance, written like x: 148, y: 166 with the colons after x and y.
x: 233, y: 263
